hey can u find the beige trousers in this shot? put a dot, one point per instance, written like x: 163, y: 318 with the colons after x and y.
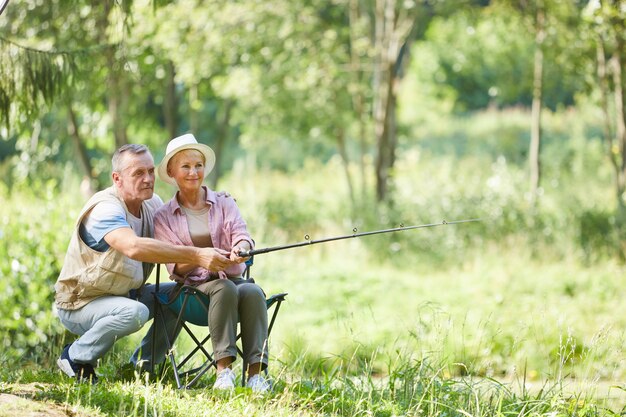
x: 233, y: 300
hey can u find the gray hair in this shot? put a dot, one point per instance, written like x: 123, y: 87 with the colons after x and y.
x: 118, y: 156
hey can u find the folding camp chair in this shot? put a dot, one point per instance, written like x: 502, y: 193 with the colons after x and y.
x: 192, y: 306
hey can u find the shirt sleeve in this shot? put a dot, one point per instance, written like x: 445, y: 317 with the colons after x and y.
x: 235, y: 224
x: 102, y: 219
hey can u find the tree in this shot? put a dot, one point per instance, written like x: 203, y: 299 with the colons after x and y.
x: 30, y: 77
x: 607, y: 21
x: 394, y: 26
x: 547, y: 21
x: 77, y: 54
x: 535, y: 123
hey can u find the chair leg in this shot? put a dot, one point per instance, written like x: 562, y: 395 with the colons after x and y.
x: 204, y: 369
x: 269, y: 329
x: 244, y: 368
x: 199, y: 345
x: 168, y: 343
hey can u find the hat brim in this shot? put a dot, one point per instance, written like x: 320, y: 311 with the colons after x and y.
x: 209, y: 158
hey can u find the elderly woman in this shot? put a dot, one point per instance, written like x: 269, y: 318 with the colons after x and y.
x: 197, y: 216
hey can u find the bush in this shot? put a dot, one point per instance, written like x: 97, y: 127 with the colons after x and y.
x: 34, y: 231
x: 598, y: 235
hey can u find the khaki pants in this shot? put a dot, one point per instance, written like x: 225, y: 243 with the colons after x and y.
x: 233, y: 300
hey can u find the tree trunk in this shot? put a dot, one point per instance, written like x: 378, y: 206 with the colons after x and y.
x: 603, y: 82
x: 394, y: 33
x: 386, y: 134
x: 222, y: 136
x: 615, y: 130
x: 117, y: 91
x: 341, y: 142
x: 90, y: 183
x: 118, y: 98
x: 194, y: 123
x: 170, y: 104
x: 535, y: 130
x: 379, y: 96
x: 620, y: 122
x: 358, y: 98
x: 620, y: 132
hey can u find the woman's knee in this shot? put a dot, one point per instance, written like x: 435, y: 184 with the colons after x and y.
x: 224, y: 288
x: 251, y: 292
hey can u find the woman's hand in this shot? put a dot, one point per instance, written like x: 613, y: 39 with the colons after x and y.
x: 234, y: 253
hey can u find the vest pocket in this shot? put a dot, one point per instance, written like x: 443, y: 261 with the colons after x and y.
x: 115, y: 274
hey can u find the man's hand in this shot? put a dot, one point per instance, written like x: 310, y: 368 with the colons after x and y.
x: 224, y: 194
x: 214, y: 259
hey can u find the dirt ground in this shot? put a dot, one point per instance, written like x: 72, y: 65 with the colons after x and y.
x: 20, y: 403
x: 13, y: 405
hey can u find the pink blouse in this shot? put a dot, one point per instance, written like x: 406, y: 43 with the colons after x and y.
x: 226, y: 226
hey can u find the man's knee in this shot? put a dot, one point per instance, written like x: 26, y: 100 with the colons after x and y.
x: 136, y: 315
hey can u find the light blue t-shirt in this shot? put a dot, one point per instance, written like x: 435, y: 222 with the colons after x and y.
x: 103, y: 218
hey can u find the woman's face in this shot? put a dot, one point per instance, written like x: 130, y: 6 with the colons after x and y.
x: 187, y: 169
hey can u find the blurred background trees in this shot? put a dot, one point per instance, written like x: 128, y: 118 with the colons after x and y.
x: 287, y: 81
x: 325, y: 116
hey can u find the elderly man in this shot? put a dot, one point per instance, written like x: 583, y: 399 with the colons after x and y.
x: 110, y: 255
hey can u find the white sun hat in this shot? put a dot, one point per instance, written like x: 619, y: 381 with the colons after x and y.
x: 187, y: 141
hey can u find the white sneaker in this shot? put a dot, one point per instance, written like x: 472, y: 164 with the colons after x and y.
x: 225, y: 380
x: 258, y: 384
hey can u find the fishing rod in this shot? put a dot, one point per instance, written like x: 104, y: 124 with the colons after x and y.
x: 308, y: 241
x: 3, y: 4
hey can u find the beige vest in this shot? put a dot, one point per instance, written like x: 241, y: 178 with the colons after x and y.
x: 88, y: 274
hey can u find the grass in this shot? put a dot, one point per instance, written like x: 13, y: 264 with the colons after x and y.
x: 493, y: 336
x: 494, y: 315
x: 413, y: 388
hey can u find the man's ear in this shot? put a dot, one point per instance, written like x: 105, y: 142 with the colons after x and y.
x: 116, y: 177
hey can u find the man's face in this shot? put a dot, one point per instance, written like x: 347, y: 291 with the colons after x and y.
x: 135, y: 181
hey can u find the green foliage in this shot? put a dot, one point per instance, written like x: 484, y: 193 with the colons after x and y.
x: 490, y: 181
x: 41, y: 57
x: 34, y: 230
x: 599, y: 236
x: 472, y: 58
x: 30, y: 78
